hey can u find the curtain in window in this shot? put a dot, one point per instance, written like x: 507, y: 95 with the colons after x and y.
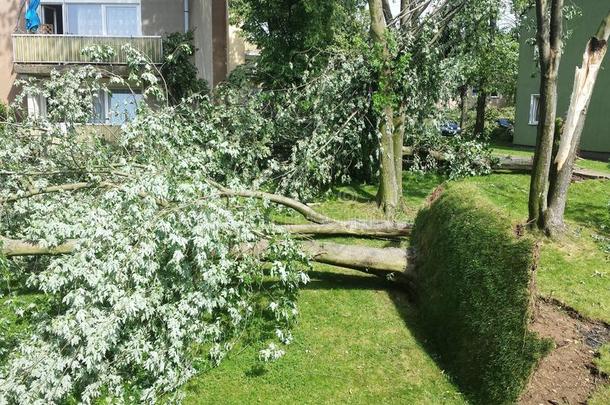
x: 85, y: 19
x: 122, y: 21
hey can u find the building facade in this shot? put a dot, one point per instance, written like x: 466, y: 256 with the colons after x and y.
x: 67, y: 26
x: 596, y: 134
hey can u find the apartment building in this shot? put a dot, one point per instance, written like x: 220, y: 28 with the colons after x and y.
x: 67, y: 26
x: 595, y: 141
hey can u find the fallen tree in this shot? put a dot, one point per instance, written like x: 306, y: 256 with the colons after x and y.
x: 386, y: 262
x: 517, y: 164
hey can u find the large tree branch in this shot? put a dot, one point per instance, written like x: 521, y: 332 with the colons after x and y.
x: 584, y: 82
x: 385, y: 262
x: 352, y: 228
x: 17, y: 247
x: 53, y: 189
x: 298, y: 206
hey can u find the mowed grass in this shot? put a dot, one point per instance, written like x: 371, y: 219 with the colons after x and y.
x: 357, y: 341
x: 358, y: 338
x: 362, y: 344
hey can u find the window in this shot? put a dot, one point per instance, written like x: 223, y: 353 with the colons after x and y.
x: 534, y: 109
x: 115, y: 108
x: 122, y: 21
x: 103, y: 19
x: 37, y: 106
x: 85, y: 19
x: 122, y: 105
x: 52, y: 15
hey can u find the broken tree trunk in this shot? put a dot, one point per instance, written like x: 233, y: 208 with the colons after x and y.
x: 385, y: 262
x: 584, y: 82
x: 518, y: 164
x: 352, y: 228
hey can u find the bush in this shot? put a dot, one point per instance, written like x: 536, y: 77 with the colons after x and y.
x: 475, y: 291
x: 3, y: 112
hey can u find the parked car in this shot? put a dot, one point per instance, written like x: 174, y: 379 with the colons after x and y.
x: 450, y: 128
x: 505, y: 123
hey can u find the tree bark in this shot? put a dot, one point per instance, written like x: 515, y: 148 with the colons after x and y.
x: 387, y: 12
x: 549, y: 19
x: 479, y: 127
x: 398, y: 142
x: 352, y: 228
x: 463, y: 105
x: 584, y: 82
x: 387, y: 196
x: 385, y: 262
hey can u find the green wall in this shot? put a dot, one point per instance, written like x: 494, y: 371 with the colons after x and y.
x: 596, y: 135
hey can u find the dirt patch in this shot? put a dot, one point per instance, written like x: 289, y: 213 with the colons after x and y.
x: 567, y: 375
x: 435, y: 195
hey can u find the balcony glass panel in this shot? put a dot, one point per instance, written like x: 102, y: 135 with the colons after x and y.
x: 122, y: 21
x: 85, y: 19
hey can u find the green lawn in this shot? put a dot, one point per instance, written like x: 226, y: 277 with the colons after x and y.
x: 355, y: 344
x: 358, y: 341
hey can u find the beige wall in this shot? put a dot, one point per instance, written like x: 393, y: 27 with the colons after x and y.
x: 9, y: 11
x: 160, y: 17
x: 236, y: 49
x: 201, y: 24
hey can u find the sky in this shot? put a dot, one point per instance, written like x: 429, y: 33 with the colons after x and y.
x: 506, y: 19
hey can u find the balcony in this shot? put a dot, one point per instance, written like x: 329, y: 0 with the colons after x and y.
x: 34, y: 53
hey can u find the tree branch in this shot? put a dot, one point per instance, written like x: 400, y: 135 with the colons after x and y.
x: 391, y: 263
x: 53, y: 189
x: 352, y: 228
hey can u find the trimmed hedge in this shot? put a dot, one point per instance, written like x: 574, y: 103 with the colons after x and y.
x: 474, y: 293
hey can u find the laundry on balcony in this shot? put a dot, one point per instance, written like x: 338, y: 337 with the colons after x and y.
x: 32, y: 20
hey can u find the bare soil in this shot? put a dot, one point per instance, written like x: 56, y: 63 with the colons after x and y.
x: 567, y: 375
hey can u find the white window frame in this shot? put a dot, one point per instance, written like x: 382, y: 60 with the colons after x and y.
x: 534, y: 109
x: 103, y: 4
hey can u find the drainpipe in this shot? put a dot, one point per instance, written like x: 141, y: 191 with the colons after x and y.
x: 186, y: 15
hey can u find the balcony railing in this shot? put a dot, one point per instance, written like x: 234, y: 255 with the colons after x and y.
x: 66, y: 49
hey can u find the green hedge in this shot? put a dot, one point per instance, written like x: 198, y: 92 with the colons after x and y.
x: 474, y: 293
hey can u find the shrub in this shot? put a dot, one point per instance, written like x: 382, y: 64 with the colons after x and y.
x: 475, y: 290
x: 179, y: 69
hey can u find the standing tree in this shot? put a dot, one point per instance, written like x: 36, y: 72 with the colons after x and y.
x: 549, y: 184
x: 406, y: 80
x: 584, y: 82
x: 549, y: 17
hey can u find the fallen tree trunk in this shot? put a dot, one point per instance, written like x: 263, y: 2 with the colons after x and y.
x: 352, y: 228
x: 384, y: 262
x: 518, y: 164
x: 17, y: 247
x: 525, y: 164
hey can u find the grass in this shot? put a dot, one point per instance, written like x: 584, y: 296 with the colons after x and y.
x: 474, y: 294
x: 359, y: 341
x: 602, y: 396
x: 356, y: 342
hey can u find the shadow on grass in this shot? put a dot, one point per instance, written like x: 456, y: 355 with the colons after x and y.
x: 402, y: 299
x: 590, y: 215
